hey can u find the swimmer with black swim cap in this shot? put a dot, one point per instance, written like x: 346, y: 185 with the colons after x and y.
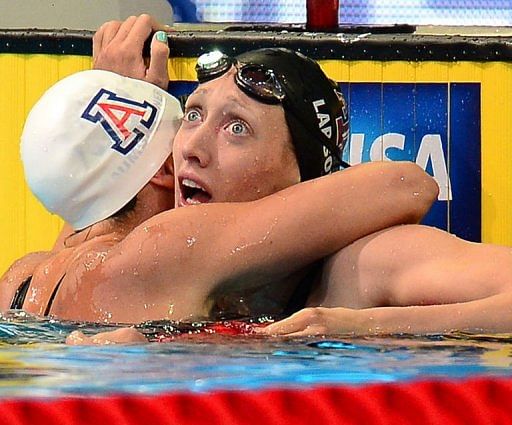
x: 315, y: 109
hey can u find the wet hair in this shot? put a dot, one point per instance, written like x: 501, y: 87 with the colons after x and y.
x: 118, y: 215
x: 130, y: 206
x: 315, y: 110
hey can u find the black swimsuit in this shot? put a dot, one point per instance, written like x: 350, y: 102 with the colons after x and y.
x: 21, y: 294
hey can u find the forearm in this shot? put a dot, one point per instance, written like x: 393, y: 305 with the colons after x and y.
x: 489, y: 315
x: 269, y: 239
x: 383, y: 194
x: 354, y: 203
x: 492, y: 314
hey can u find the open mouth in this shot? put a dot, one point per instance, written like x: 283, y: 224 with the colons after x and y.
x: 192, y: 193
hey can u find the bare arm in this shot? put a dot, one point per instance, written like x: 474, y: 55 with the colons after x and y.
x: 468, y: 287
x: 211, y: 246
x: 118, y: 336
x: 491, y: 315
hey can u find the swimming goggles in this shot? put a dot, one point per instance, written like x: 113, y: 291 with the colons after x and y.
x: 255, y: 80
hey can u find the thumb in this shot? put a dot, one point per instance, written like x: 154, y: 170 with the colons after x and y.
x: 158, y: 72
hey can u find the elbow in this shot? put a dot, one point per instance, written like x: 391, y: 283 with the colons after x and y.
x: 417, y: 190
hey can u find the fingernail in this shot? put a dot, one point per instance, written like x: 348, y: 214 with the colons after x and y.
x: 161, y: 36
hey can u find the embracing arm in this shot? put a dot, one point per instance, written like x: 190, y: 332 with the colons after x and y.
x: 490, y: 315
x: 205, y: 246
x: 429, y: 281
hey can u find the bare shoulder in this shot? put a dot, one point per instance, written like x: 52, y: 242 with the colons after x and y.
x: 17, y: 273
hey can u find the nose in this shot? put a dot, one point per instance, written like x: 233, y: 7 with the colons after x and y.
x: 196, y: 146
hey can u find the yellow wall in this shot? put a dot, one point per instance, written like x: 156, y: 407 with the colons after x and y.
x: 26, y: 227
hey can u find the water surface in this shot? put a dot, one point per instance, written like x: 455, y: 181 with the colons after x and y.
x: 35, y: 362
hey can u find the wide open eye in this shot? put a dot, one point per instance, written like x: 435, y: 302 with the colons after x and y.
x: 192, y: 115
x: 238, y: 128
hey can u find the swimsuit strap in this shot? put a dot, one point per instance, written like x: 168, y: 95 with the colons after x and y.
x: 21, y: 293
x: 52, y: 297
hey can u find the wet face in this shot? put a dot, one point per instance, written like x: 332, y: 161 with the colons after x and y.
x: 230, y: 147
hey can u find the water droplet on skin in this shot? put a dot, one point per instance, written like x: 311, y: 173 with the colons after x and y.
x: 108, y: 318
x: 33, y: 295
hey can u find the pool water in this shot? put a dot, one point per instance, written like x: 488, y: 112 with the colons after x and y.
x: 35, y: 362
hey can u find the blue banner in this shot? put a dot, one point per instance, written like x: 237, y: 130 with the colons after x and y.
x: 436, y: 125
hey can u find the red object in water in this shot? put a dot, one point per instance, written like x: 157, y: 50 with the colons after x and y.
x: 226, y: 327
x: 322, y: 15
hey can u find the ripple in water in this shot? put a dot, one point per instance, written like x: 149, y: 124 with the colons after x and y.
x: 34, y: 361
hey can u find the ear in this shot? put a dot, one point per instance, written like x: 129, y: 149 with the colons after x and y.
x: 164, y: 177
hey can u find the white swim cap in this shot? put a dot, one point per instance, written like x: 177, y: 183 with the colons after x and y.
x: 93, y: 141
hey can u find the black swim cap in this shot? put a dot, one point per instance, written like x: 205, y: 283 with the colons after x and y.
x: 315, y: 109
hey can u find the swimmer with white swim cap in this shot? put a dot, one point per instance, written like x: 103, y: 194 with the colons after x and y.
x: 258, y: 234
x: 105, y: 138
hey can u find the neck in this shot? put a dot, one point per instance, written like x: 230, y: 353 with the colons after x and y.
x: 105, y: 228
x: 150, y: 201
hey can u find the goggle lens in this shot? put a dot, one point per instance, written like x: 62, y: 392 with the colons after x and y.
x: 261, y: 82
x: 255, y: 80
